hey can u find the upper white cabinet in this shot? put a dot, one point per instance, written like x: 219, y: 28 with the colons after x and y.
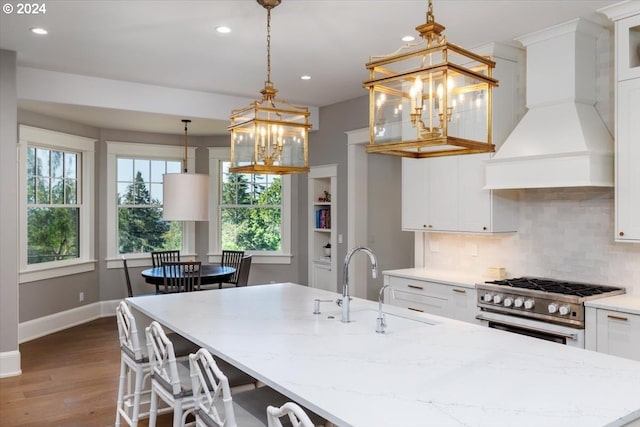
x: 627, y: 127
x: 446, y: 193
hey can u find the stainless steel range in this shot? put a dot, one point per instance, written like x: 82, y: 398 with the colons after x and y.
x: 542, y: 308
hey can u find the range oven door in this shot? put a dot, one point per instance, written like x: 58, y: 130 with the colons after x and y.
x: 533, y: 328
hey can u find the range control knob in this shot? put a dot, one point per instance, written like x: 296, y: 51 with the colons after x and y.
x: 508, y: 302
x: 564, y: 310
x: 497, y: 299
x: 487, y: 297
x: 528, y: 304
x: 517, y: 303
x: 552, y: 308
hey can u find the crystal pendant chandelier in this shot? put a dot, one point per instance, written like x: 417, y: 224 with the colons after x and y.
x: 269, y: 136
x: 431, y: 98
x: 185, y: 196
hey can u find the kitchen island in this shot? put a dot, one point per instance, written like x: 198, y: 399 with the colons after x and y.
x: 424, y: 371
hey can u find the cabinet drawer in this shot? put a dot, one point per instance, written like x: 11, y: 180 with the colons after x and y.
x: 420, y: 287
x: 420, y: 302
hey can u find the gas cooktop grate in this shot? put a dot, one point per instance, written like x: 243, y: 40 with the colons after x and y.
x: 555, y: 286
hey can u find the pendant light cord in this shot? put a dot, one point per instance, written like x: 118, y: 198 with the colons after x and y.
x: 186, y: 121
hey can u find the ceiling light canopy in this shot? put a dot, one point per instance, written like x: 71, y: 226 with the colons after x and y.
x: 269, y: 136
x: 185, y: 195
x: 430, y: 98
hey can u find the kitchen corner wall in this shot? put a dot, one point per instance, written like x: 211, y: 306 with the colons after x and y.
x: 563, y: 233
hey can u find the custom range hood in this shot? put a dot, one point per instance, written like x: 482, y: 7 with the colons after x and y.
x: 561, y: 141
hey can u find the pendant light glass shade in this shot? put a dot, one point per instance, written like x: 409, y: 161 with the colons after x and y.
x: 430, y: 98
x: 185, y: 195
x: 269, y: 136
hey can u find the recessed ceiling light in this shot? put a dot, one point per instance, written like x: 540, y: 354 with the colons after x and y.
x: 223, y: 30
x: 305, y: 77
x: 408, y: 38
x: 39, y: 31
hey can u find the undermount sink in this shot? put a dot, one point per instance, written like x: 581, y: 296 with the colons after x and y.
x: 394, y: 321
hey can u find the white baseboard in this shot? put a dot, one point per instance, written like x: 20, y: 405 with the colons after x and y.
x: 36, y: 328
x: 10, y: 364
x: 46, y: 325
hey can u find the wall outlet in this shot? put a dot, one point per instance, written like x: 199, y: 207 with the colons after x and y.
x: 434, y: 246
x: 340, y: 238
x: 81, y: 296
x: 473, y: 249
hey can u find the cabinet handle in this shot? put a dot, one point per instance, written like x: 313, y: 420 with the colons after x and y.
x: 430, y: 226
x: 623, y: 319
x: 424, y: 225
x: 621, y: 233
x: 484, y: 228
x: 415, y: 287
x: 415, y: 309
x: 460, y: 291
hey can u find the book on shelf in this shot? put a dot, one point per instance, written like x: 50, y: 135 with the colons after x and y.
x: 323, y: 218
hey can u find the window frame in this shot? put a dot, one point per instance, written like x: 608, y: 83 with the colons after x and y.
x: 85, y: 147
x: 217, y: 155
x: 117, y: 149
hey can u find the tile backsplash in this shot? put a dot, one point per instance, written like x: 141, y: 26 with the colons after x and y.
x: 564, y: 233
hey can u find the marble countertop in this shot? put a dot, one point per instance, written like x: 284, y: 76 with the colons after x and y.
x: 426, y: 370
x: 623, y: 303
x: 455, y: 278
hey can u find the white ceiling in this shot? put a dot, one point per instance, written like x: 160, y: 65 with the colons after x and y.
x: 174, y: 44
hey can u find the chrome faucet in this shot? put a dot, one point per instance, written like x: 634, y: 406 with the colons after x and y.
x: 345, y: 282
x: 381, y: 321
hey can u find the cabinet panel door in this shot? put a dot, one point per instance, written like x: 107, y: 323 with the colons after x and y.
x: 414, y: 194
x: 628, y: 161
x: 474, y: 203
x: 443, y: 193
x: 464, y: 304
x: 618, y: 334
x: 322, y: 277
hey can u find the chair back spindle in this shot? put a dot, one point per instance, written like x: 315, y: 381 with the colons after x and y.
x: 181, y: 276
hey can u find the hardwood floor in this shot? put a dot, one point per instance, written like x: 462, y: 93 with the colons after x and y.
x: 68, y: 379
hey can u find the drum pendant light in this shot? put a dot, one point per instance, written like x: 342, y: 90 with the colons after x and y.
x: 185, y: 195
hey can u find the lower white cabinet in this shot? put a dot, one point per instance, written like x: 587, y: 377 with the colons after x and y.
x: 613, y: 332
x: 322, y: 277
x: 432, y: 297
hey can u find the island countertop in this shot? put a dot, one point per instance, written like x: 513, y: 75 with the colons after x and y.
x: 425, y: 370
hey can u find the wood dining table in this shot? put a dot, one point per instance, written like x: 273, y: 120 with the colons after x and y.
x: 209, y: 274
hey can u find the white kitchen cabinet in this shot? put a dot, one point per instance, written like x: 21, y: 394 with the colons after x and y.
x: 432, y: 297
x: 628, y: 161
x: 627, y: 127
x: 613, y: 331
x: 322, y: 192
x: 445, y: 194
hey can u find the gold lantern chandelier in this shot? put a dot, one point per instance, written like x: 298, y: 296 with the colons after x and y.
x: 431, y: 98
x: 269, y: 136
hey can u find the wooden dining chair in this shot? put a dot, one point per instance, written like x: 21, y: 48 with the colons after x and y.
x: 231, y: 259
x: 157, y: 257
x: 245, y: 268
x: 181, y: 276
x: 126, y: 277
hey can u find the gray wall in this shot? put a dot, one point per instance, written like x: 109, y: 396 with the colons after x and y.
x: 328, y: 145
x: 393, y: 248
x: 9, y: 203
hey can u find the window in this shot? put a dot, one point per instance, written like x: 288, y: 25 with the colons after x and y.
x: 134, y: 191
x: 56, y: 224
x: 140, y: 224
x: 251, y: 211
